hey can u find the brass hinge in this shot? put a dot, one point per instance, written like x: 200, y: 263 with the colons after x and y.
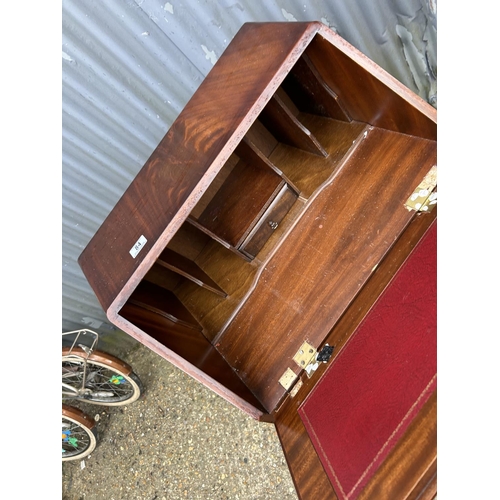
x: 288, y: 379
x: 424, y: 197
x: 307, y: 358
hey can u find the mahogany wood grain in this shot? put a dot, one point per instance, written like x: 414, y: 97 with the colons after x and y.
x: 281, y: 122
x: 269, y: 222
x: 384, y: 272
x: 296, y: 211
x: 263, y: 140
x: 192, y: 347
x: 214, y: 186
x: 189, y: 156
x: 190, y: 270
x: 306, y: 469
x: 200, y: 143
x: 234, y: 274
x: 366, y: 96
x: 366, y: 297
x: 189, y: 241
x: 326, y: 259
x: 164, y: 303
x: 312, y: 171
x: 426, y: 488
x: 305, y: 466
x: 249, y: 152
x: 409, y: 472
x: 213, y: 122
x: 240, y: 202
x: 311, y: 94
x: 401, y: 474
x: 308, y: 172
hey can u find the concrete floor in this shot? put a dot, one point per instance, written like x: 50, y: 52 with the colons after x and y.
x: 180, y: 440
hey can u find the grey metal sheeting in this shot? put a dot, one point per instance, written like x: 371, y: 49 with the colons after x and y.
x: 129, y: 67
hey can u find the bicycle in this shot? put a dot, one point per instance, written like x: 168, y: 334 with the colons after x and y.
x: 94, y: 377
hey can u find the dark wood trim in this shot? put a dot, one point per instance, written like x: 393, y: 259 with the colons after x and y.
x: 306, y: 469
x: 404, y: 473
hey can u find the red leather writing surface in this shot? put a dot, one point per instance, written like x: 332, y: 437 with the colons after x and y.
x: 386, y: 372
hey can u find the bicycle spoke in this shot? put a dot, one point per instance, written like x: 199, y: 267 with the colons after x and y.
x: 103, y: 383
x: 74, y: 439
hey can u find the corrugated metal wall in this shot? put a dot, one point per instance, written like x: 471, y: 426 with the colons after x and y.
x: 129, y: 67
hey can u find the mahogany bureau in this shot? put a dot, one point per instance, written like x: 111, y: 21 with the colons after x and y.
x: 276, y: 247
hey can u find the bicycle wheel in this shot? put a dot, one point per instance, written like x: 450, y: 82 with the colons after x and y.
x: 110, y: 381
x: 78, y: 434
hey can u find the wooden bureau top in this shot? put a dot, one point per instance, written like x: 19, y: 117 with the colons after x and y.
x: 211, y: 125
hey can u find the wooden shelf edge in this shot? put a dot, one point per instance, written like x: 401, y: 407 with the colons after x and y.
x: 248, y: 151
x: 190, y: 270
x: 310, y: 92
x: 287, y: 128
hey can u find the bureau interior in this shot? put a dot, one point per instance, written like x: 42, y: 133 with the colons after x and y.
x: 208, y: 269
